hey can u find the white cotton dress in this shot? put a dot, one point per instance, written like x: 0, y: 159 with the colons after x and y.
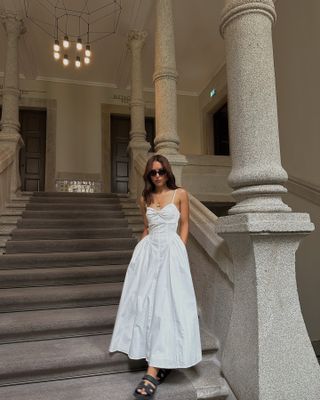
x: 157, y: 315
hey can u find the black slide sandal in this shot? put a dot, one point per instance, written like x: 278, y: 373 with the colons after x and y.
x: 150, y: 390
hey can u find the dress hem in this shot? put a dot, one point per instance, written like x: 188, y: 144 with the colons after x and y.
x: 158, y: 364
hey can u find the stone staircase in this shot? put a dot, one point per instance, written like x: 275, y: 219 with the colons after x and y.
x: 60, y: 283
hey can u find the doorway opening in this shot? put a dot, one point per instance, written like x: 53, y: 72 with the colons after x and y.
x: 120, y: 129
x: 33, y: 154
x: 221, y: 131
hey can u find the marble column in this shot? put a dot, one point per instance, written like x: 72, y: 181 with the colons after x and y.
x: 267, y: 354
x: 138, y: 143
x: 10, y: 126
x: 165, y: 82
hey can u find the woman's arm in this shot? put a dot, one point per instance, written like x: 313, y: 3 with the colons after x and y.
x: 184, y: 215
x: 145, y: 221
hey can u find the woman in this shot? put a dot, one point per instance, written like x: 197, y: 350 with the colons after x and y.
x: 157, y: 315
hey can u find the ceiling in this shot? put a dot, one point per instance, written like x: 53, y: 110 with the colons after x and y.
x: 199, y: 47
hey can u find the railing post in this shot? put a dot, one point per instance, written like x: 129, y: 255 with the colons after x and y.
x: 10, y: 126
x: 268, y: 354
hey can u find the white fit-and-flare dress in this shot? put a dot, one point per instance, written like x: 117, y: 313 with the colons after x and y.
x: 157, y: 315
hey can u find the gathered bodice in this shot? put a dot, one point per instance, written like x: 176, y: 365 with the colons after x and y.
x: 163, y: 221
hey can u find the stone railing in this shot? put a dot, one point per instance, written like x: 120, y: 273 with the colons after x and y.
x: 6, y: 164
x: 211, y: 267
x: 205, y: 176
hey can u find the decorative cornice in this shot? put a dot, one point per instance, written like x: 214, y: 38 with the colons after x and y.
x: 76, y: 82
x: 236, y: 8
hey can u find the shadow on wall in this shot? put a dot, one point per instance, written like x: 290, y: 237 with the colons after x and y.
x: 220, y: 209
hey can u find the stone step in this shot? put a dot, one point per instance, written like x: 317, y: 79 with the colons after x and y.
x: 132, y: 212
x: 68, y: 245
x: 72, y: 214
x: 56, y: 233
x: 74, y: 195
x: 10, y: 278
x: 202, y: 381
x: 74, y: 200
x: 9, y: 261
x: 56, y: 323
x: 6, y: 230
x: 17, y: 203
x: 134, y: 219
x: 61, y: 358
x: 9, y: 220
x: 46, y: 297
x: 76, y: 206
x: 8, y: 211
x: 129, y: 205
x: 71, y: 223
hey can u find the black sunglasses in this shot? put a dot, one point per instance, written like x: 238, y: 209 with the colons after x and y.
x: 161, y: 172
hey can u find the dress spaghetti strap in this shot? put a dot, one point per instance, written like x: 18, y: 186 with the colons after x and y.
x: 173, y: 196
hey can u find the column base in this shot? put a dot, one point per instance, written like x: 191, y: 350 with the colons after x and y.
x: 267, y: 354
x: 134, y: 149
x: 14, y: 142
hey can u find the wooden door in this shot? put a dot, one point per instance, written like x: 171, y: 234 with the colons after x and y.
x: 32, y: 155
x: 120, y: 129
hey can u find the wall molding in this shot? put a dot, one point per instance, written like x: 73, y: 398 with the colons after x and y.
x: 304, y: 189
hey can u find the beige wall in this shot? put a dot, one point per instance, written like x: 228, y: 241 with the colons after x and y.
x: 308, y: 266
x: 188, y: 124
x: 78, y: 139
x: 297, y: 61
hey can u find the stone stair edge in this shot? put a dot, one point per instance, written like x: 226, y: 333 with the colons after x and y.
x: 60, y: 358
x: 178, y: 386
x: 39, y: 277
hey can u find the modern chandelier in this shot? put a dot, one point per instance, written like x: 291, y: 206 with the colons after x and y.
x: 74, y: 25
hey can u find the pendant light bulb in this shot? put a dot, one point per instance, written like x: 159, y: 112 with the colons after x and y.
x: 66, y: 42
x: 79, y: 44
x: 56, y: 55
x: 56, y: 46
x: 88, y: 51
x: 65, y: 60
x: 86, y: 60
x: 78, y: 62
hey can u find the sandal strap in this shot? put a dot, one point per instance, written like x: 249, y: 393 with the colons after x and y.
x: 151, y: 379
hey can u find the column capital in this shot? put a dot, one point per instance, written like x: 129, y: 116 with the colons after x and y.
x: 136, y: 39
x: 12, y: 23
x: 236, y: 8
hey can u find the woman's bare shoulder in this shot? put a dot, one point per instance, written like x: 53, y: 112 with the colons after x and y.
x: 182, y: 193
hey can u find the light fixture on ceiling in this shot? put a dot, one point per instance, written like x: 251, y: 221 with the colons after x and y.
x: 56, y: 46
x: 87, y: 51
x: 78, y: 62
x: 71, y: 26
x: 66, y: 42
x: 79, y: 44
x: 65, y: 60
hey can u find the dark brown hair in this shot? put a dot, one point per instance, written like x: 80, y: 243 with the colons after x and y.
x: 149, y: 187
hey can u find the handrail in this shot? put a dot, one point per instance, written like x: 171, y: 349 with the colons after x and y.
x: 202, y: 227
